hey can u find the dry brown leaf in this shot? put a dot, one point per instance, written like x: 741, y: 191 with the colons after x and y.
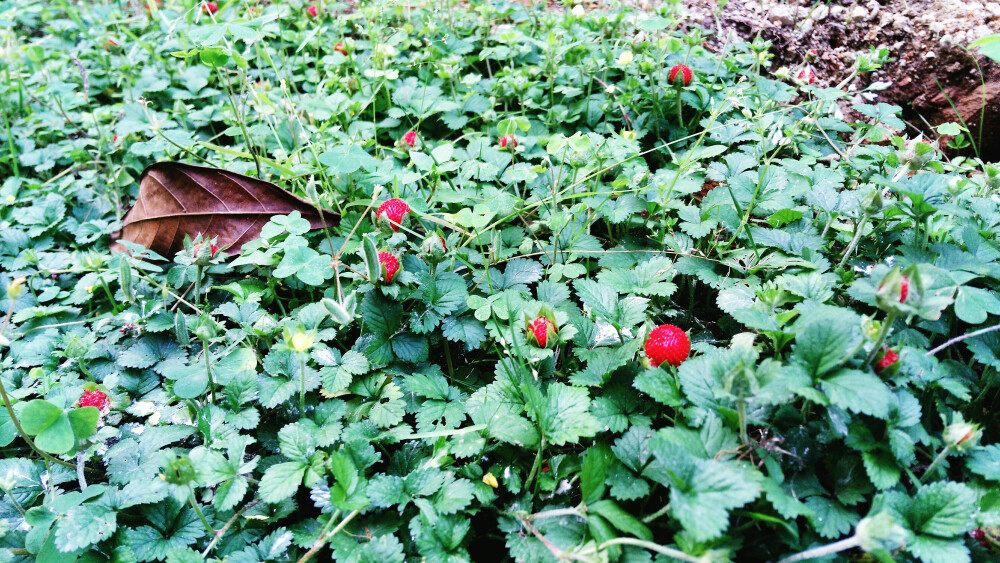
x: 177, y: 199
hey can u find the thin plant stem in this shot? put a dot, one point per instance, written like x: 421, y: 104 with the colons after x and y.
x: 663, y: 550
x: 208, y: 367
x: 324, y: 536
x: 302, y: 385
x: 889, y: 319
x: 934, y: 464
x: 201, y: 516
x: 854, y: 241
x: 10, y: 408
x: 823, y: 551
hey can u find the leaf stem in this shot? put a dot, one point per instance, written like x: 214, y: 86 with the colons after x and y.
x: 208, y: 368
x: 934, y: 464
x: 10, y: 407
x: 668, y: 551
x: 889, y: 319
x: 324, y: 536
x: 657, y: 514
x: 302, y: 385
x: 823, y: 551
x: 201, y: 516
x: 229, y: 523
x: 854, y: 241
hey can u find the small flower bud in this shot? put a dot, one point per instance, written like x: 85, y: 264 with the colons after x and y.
x: 16, y: 287
x: 962, y: 436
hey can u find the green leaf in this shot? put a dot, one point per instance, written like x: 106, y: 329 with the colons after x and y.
x: 989, y: 46
x: 84, y: 421
x: 37, y: 415
x: 825, y: 342
x: 829, y: 517
x: 50, y: 426
x: 943, y: 509
x: 564, y: 416
x: 882, y: 468
x: 85, y: 525
x: 592, y: 474
x: 621, y: 519
x: 281, y: 481
x: 932, y: 549
x: 986, y: 462
x: 858, y: 391
x: 702, y: 491
x: 659, y: 385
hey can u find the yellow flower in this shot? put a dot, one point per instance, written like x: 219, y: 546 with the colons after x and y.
x: 625, y: 58
x: 626, y: 134
x: 490, y: 480
x: 301, y: 342
x: 11, y: 199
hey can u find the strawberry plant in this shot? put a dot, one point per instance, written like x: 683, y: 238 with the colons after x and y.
x: 480, y: 281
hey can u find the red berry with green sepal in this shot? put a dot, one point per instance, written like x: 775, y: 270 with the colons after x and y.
x: 886, y: 360
x: 680, y: 75
x: 667, y: 343
x: 390, y: 265
x: 543, y: 331
x: 392, y: 214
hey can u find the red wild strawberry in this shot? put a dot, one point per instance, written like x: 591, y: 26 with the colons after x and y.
x: 904, y: 289
x: 312, y: 10
x: 410, y: 138
x: 667, y: 343
x: 110, y: 44
x: 392, y: 214
x: 807, y: 75
x: 545, y: 466
x: 887, y: 360
x: 508, y: 140
x: 683, y: 71
x: 210, y: 8
x: 390, y: 265
x: 543, y: 331
x: 95, y: 398
x: 339, y: 47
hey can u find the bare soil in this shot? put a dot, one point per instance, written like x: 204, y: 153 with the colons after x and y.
x: 933, y: 76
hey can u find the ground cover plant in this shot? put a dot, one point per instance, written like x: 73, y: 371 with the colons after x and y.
x: 580, y: 290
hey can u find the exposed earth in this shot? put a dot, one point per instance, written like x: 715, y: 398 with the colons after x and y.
x: 932, y: 75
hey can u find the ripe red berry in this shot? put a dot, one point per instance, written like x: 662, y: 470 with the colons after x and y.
x: 887, y: 360
x: 807, y: 75
x: 508, y: 140
x: 312, y: 10
x: 390, y: 265
x: 667, y: 343
x: 904, y: 289
x: 410, y: 138
x: 97, y: 399
x: 391, y: 214
x: 210, y: 7
x: 681, y: 71
x: 541, y: 329
x: 978, y: 534
x: 339, y: 47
